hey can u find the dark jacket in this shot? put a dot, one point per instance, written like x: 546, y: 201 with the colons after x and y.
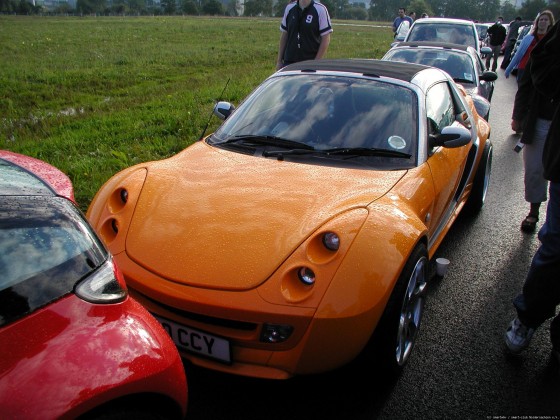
x: 545, y: 68
x: 497, y: 33
x: 529, y: 105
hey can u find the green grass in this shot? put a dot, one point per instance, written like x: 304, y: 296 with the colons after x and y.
x: 95, y: 95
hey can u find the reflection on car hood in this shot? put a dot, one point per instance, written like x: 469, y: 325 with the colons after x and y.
x: 213, y: 218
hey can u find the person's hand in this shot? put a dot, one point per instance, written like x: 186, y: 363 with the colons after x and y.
x: 516, y: 126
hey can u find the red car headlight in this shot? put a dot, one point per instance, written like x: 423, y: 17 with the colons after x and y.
x: 106, y: 285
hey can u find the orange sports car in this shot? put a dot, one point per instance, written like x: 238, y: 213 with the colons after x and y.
x: 299, y: 235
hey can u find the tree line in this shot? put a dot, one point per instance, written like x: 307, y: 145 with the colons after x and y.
x: 373, y: 10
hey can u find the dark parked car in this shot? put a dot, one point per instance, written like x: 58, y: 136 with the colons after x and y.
x: 461, y: 62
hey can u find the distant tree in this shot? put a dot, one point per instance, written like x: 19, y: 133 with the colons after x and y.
x: 189, y: 7
x: 509, y: 12
x: 213, y: 7
x: 460, y: 9
x: 420, y: 6
x: 439, y: 7
x: 119, y: 8
x: 90, y: 6
x: 24, y: 7
x: 8, y: 6
x: 234, y: 8
x: 258, y: 8
x: 280, y: 6
x: 357, y: 12
x: 531, y: 8
x: 486, y: 10
x: 169, y: 7
x: 337, y: 8
x: 329, y: 4
x: 136, y: 6
x: 554, y: 7
x: 383, y: 10
x: 62, y: 9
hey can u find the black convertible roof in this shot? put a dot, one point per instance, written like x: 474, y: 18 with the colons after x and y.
x: 369, y: 67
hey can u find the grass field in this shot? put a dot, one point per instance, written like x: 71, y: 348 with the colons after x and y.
x: 95, y: 95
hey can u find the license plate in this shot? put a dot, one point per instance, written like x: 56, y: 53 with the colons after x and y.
x: 195, y: 341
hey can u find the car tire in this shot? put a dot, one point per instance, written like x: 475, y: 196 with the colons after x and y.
x: 481, y: 181
x: 396, y: 333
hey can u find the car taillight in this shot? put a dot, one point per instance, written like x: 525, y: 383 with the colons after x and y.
x: 106, y: 285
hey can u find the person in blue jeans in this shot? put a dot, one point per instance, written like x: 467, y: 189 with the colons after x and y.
x: 540, y: 295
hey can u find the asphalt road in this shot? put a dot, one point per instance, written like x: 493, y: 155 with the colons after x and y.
x: 459, y: 369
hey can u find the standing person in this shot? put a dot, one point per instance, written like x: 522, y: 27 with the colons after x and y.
x: 512, y: 34
x: 532, y: 115
x: 541, y: 291
x: 306, y: 32
x: 497, y: 33
x: 400, y: 19
x: 412, y: 16
x: 541, y: 26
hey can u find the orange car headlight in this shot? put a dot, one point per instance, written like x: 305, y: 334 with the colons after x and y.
x: 306, y: 275
x: 331, y: 241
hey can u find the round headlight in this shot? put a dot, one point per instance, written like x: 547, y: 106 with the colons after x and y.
x: 331, y: 241
x: 306, y: 275
x: 124, y: 196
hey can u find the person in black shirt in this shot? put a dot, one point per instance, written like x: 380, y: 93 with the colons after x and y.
x: 306, y: 32
x: 540, y: 295
x: 497, y: 33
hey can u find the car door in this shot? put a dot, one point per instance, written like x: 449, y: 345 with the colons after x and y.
x: 447, y: 165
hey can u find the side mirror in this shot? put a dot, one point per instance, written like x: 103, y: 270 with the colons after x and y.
x: 489, y: 76
x: 222, y: 110
x: 451, y: 137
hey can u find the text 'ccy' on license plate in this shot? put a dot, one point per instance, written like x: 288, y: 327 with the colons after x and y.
x: 195, y: 341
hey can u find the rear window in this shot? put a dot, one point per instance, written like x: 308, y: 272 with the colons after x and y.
x: 46, y: 247
x: 443, y: 32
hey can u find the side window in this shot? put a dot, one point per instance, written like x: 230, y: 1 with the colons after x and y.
x: 439, y: 108
x: 480, y: 64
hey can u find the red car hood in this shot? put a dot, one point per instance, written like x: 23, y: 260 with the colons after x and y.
x: 218, y: 219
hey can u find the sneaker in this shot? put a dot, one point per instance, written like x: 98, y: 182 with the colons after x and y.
x: 518, y: 336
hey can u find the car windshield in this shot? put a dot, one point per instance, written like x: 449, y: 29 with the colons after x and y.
x: 322, y: 113
x: 442, y: 32
x: 482, y: 28
x: 457, y: 65
x: 45, y: 249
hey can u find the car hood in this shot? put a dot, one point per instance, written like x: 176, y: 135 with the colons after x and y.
x: 213, y: 218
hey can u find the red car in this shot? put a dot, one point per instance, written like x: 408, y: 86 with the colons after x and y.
x: 72, y: 341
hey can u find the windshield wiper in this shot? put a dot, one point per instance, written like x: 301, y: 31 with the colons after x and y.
x: 364, y: 151
x: 344, y: 151
x: 267, y: 140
